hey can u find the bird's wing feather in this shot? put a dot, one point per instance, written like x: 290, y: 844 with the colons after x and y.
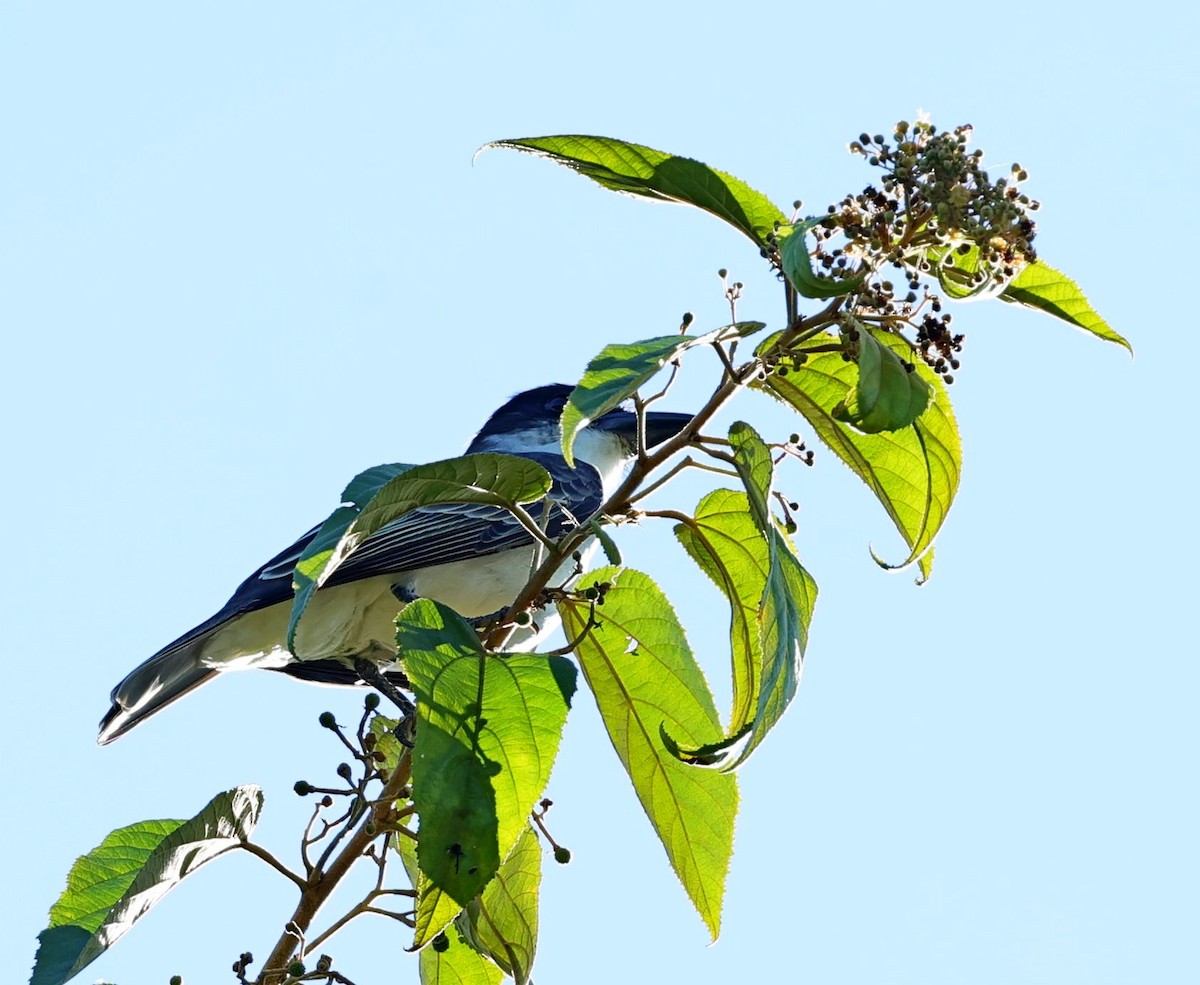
x: 422, y: 538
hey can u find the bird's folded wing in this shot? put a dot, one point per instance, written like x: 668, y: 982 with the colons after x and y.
x: 421, y: 538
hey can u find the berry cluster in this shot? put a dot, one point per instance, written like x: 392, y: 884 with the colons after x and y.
x: 936, y: 194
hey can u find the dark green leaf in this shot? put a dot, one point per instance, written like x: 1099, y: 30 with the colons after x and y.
x: 320, y: 549
x: 798, y: 268
x: 1042, y: 287
x: 645, y: 678
x: 784, y: 617
x: 488, y: 729
x: 914, y: 471
x: 487, y: 478
x: 503, y: 922
x: 636, y: 170
x: 617, y: 372
x: 114, y: 885
x: 888, y: 395
x: 786, y: 601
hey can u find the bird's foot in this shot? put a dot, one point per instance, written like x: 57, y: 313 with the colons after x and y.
x: 370, y: 674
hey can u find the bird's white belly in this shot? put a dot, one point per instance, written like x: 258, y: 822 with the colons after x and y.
x: 359, y: 617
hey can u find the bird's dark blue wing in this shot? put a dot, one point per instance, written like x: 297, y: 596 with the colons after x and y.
x: 425, y: 537
x: 458, y: 532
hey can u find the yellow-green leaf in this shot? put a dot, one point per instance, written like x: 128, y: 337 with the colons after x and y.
x: 645, y: 678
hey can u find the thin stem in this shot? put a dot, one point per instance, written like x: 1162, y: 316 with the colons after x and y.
x: 259, y: 852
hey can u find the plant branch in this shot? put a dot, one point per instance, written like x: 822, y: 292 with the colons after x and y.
x: 259, y: 852
x: 321, y: 883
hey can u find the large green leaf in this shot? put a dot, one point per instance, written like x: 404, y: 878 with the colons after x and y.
x: 617, y: 372
x: 502, y: 923
x: 486, y: 478
x: 888, y: 394
x: 636, y: 170
x: 914, y: 472
x: 320, y: 549
x: 797, y: 264
x: 116, y: 884
x: 1042, y: 287
x: 645, y: 679
x: 488, y: 729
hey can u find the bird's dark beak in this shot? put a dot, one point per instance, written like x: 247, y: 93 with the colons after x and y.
x: 660, y: 426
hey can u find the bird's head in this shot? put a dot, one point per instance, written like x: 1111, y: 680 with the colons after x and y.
x: 530, y: 422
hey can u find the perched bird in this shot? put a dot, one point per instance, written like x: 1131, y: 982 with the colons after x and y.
x: 472, y: 558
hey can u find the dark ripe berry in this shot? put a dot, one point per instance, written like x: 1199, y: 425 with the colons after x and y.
x: 178, y: 979
x: 441, y: 943
x: 327, y: 720
x: 302, y: 787
x: 343, y: 771
x: 327, y: 801
x: 562, y: 855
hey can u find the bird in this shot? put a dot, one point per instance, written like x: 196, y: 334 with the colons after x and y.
x: 473, y: 558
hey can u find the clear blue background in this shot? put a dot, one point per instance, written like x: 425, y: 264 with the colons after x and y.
x: 244, y: 253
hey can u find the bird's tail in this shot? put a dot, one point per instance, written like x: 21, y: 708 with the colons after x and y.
x: 161, y: 680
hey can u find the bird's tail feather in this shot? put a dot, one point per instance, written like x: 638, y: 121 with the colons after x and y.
x: 163, y: 679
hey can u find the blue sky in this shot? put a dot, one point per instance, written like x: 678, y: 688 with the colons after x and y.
x: 244, y: 253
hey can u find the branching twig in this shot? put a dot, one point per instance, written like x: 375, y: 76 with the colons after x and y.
x: 321, y: 884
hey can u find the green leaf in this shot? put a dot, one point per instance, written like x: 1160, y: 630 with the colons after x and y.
x: 914, y: 472
x: 798, y: 268
x: 787, y: 597
x: 958, y: 273
x: 636, y: 170
x: 320, y: 549
x: 459, y: 964
x: 727, y: 544
x: 488, y: 729
x: 116, y: 884
x: 617, y: 372
x: 486, y: 478
x: 502, y: 923
x: 1042, y: 287
x: 888, y: 395
x: 644, y: 677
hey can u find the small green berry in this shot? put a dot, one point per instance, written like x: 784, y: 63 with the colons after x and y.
x: 327, y: 720
x: 302, y: 787
x: 562, y: 855
x: 441, y: 943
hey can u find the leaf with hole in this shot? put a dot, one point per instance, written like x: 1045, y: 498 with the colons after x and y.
x: 488, y: 728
